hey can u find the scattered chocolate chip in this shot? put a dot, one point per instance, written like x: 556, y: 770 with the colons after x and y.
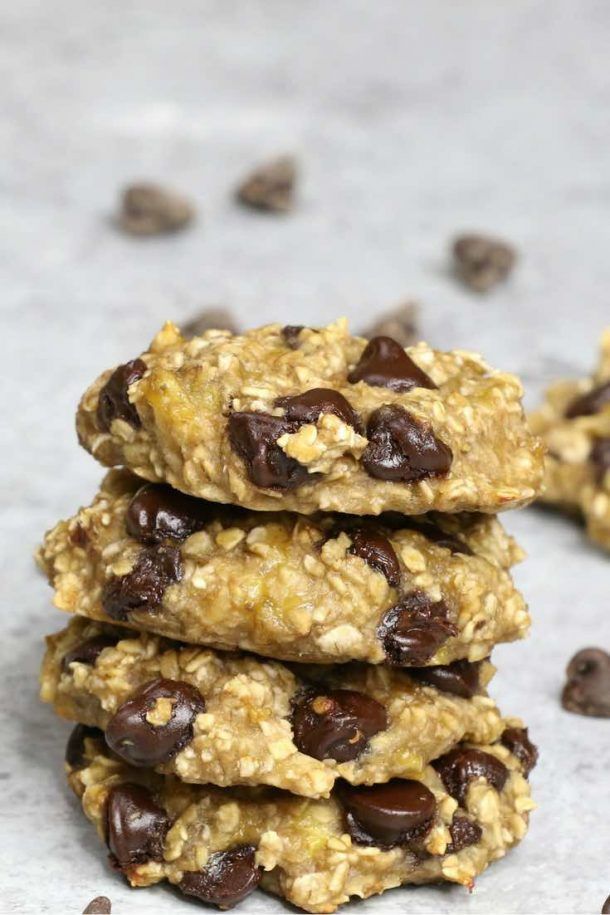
x: 461, y: 766
x: 132, y: 736
x: 307, y: 407
x: 136, y: 826
x: 606, y: 907
x: 113, y: 400
x: 398, y: 812
x: 377, y: 552
x: 413, y: 630
x: 517, y: 741
x: 158, y: 512
x: 270, y: 186
x: 227, y: 878
x: 336, y: 725
x: 253, y: 436
x: 384, y: 364
x: 87, y: 652
x: 75, y: 748
x: 209, y: 319
x: 149, y: 209
x: 400, y: 324
x: 461, y: 678
x: 590, y: 403
x: 481, y: 261
x: 587, y: 691
x: 143, y: 588
x: 401, y: 449
x: 101, y: 905
x: 291, y: 333
x: 464, y: 833
x: 600, y: 457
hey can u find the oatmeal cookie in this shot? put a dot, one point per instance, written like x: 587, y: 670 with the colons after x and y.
x: 320, y: 589
x: 314, y: 419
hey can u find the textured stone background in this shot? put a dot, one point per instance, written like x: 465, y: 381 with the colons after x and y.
x: 411, y: 120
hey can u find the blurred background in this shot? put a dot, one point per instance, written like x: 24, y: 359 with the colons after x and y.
x: 410, y: 123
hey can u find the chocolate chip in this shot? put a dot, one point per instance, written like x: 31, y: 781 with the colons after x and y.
x: 270, y: 186
x: 413, y: 630
x: 143, y: 588
x: 158, y: 512
x: 385, y: 364
x: 253, y: 437
x: 401, y: 449
x: 398, y: 812
x: 148, y: 209
x: 113, y: 400
x: 87, y: 652
x: 464, y: 833
x: 428, y: 529
x: 590, y: 403
x: 400, y: 324
x: 79, y: 536
x: 140, y: 743
x: 136, y: 826
x: 227, y: 878
x: 587, y: 691
x: 291, y: 333
x: 377, y: 552
x: 101, y: 905
x: 337, y: 724
x: 461, y: 766
x: 517, y: 741
x: 606, y: 907
x: 481, y: 262
x: 461, y: 678
x: 75, y: 748
x: 600, y: 458
x: 209, y: 319
x: 307, y: 407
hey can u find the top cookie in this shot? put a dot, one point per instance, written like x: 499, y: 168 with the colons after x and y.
x: 303, y: 419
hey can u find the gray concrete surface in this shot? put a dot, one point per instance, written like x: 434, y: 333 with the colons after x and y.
x: 411, y: 120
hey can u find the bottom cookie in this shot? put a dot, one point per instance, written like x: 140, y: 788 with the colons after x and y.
x: 217, y: 845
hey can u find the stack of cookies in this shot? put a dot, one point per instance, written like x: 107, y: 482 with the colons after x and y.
x: 285, y: 597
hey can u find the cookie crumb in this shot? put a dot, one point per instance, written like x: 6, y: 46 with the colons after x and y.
x: 209, y: 319
x: 400, y: 323
x: 149, y: 209
x: 270, y: 187
x: 101, y: 905
x: 482, y: 261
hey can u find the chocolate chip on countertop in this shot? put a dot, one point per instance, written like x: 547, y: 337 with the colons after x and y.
x: 149, y: 209
x: 461, y: 678
x: 464, y: 833
x: 337, y: 724
x: 75, y: 748
x: 398, y: 812
x: 377, y: 552
x: 599, y: 456
x: 587, y: 691
x: 400, y: 324
x: 413, y: 630
x: 461, y: 766
x: 142, y: 589
x: 101, y: 905
x: 88, y: 651
x: 209, y: 319
x: 157, y: 512
x: 481, y: 261
x: 227, y: 878
x: 270, y: 187
x: 401, y: 449
x: 141, y: 743
x: 113, y: 400
x: 517, y: 741
x: 606, y: 907
x: 309, y: 406
x: 136, y: 826
x: 385, y: 364
x: 253, y: 437
x: 590, y: 403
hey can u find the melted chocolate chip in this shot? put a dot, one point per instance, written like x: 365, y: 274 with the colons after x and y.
x: 136, y: 826
x: 460, y: 678
x: 377, y: 552
x: 599, y: 456
x: 75, y: 748
x: 253, y: 437
x: 337, y: 724
x: 461, y: 766
x: 79, y: 536
x: 413, y: 630
x: 307, y: 407
x: 87, y: 652
x: 385, y: 364
x: 290, y: 333
x: 517, y: 741
x: 158, y: 512
x: 587, y: 691
x: 227, y: 878
x: 113, y: 401
x: 590, y: 403
x: 398, y: 812
x: 143, y: 588
x: 463, y: 834
x: 140, y: 743
x: 401, y: 449
x: 428, y: 529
